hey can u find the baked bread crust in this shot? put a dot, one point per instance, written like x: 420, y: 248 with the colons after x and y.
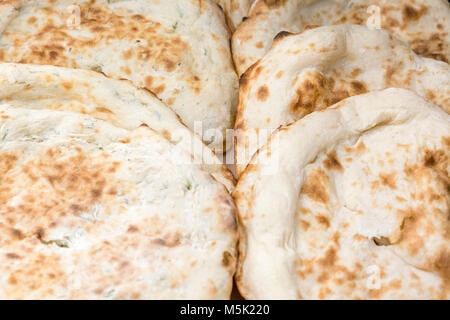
x: 312, y: 70
x: 420, y: 23
x: 180, y: 50
x: 93, y: 211
x: 350, y: 202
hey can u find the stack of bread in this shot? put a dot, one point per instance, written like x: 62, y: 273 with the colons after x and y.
x: 118, y: 170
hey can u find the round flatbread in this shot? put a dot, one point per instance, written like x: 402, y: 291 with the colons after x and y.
x: 319, y: 67
x: 119, y: 102
x: 179, y: 49
x: 92, y: 211
x: 350, y: 203
x: 235, y: 11
x: 423, y: 24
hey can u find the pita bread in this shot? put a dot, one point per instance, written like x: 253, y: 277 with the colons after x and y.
x: 179, y: 49
x: 235, y: 11
x: 350, y: 203
x: 125, y: 106
x: 421, y: 23
x: 93, y: 211
x: 319, y: 67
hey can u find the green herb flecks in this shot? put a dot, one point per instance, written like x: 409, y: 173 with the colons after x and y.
x: 5, y: 135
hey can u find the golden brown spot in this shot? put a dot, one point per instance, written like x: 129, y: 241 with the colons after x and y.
x: 16, y: 233
x: 358, y: 149
x: 434, y: 158
x: 132, y: 229
x: 389, y: 76
x: 434, y: 47
x: 359, y: 237
x: 149, y: 81
x: 395, y: 284
x: 324, y: 292
x: 355, y: 72
x: 323, y: 220
x: 358, y: 87
x: 7, y: 161
x: 12, y: 280
x: 257, y: 71
x: 126, y: 70
x: 166, y: 134
x: 305, y: 224
x: 103, y: 110
x: 304, y: 211
x: 263, y: 93
x: 12, y: 256
x: 138, y: 17
x: 316, y: 186
x: 339, y: 95
x: 389, y: 179
x: 391, y: 22
x: 413, y: 219
x: 446, y: 141
x: 442, y: 264
x: 127, y: 54
x: 430, y: 95
x: 171, y: 240
x: 410, y: 13
x: 67, y: 85
x: 306, y: 266
x: 159, y: 89
x: 31, y: 20
x: 226, y: 258
x: 76, y: 208
x: 308, y: 93
x: 323, y: 277
x: 169, y: 64
x: 259, y: 44
x: 330, y: 258
x: 331, y: 162
x: 335, y: 238
x: 195, y: 84
x: 242, y: 60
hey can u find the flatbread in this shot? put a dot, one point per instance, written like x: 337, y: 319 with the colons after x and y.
x: 421, y: 23
x: 350, y: 203
x: 125, y: 106
x: 93, y: 211
x: 235, y: 11
x: 319, y: 67
x: 179, y: 49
